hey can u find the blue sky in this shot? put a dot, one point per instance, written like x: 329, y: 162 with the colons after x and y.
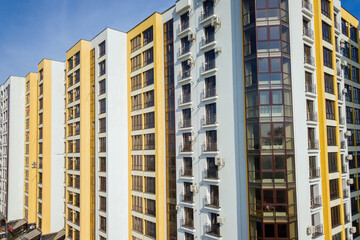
x: 31, y: 30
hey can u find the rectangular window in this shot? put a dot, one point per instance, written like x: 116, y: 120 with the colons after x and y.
x: 357, y: 121
x: 150, y: 163
x: 331, y: 135
x: 136, y: 63
x: 137, y: 162
x: 329, y: 83
x: 355, y: 95
x: 102, y: 204
x: 102, y: 144
x: 102, y: 49
x: 149, y: 99
x: 137, y: 142
x: 102, y: 68
x: 137, y: 224
x: 102, y: 125
x: 148, y: 56
x: 137, y: 204
x: 150, y: 229
x: 149, y: 77
x: 346, y: 50
x: 148, y: 36
x: 135, y: 43
x: 150, y: 207
x: 327, y: 58
x: 136, y: 82
x: 353, y: 33
x: 102, y: 164
x: 149, y: 141
x: 136, y: 103
x: 326, y: 30
x: 102, y: 87
x: 332, y: 158
x: 335, y: 216
x: 102, y: 224
x: 325, y: 7
x: 355, y: 74
x: 149, y: 119
x: 136, y: 122
x: 349, y: 115
x: 70, y: 63
x: 102, y: 106
x: 344, y: 27
x: 137, y: 183
x: 354, y: 53
x: 334, y: 189
x: 102, y: 184
x: 330, y: 110
x: 150, y: 185
x: 77, y: 58
x: 348, y: 94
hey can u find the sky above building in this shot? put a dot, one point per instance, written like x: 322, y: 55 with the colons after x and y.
x: 37, y: 29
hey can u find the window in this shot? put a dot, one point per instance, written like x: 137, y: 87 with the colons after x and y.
x: 330, y: 110
x: 102, y: 49
x: 149, y: 141
x: 149, y: 99
x: 348, y: 94
x: 357, y: 121
x: 355, y: 95
x: 185, y: 45
x: 102, y: 144
x: 136, y: 82
x: 136, y: 102
x: 184, y: 21
x: 102, y: 204
x: 331, y: 135
x: 137, y: 183
x: 102, y: 87
x: 148, y: 56
x: 102, y: 106
x: 102, y: 125
x: 137, y: 224
x: 70, y: 63
x: 102, y: 184
x: 136, y: 122
x: 208, y: 8
x: 209, y: 60
x: 137, y: 162
x: 189, y: 217
x: 150, y: 207
x: 150, y: 185
x: 77, y: 58
x: 209, y: 35
x: 186, y: 118
x: 102, y: 164
x: 187, y: 142
x: 210, y: 110
x: 102, y: 68
x: 210, y: 87
x: 325, y: 7
x: 355, y: 74
x: 346, y: 50
x: 329, y: 83
x: 326, y: 29
x: 334, y: 189
x: 135, y: 43
x: 335, y: 216
x: 349, y: 116
x: 186, y: 69
x: 150, y: 229
x: 149, y: 77
x: 136, y: 63
x: 354, y: 53
x: 344, y: 27
x: 137, y: 142
x: 211, y: 141
x: 332, y: 158
x: 186, y: 93
x: 148, y: 36
x: 187, y: 170
x: 150, y: 163
x: 353, y: 33
x: 137, y: 203
x: 327, y: 58
x: 149, y: 119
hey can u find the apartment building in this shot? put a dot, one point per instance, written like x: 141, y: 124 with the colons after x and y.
x: 12, y: 128
x: 348, y: 51
x: 44, y: 148
x: 108, y: 66
x: 80, y: 144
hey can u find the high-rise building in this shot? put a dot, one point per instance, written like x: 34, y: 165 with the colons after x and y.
x: 12, y: 150
x: 44, y: 136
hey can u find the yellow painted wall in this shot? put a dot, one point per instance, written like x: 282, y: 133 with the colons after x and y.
x: 86, y: 227
x: 33, y: 126
x: 155, y: 21
x: 45, y: 65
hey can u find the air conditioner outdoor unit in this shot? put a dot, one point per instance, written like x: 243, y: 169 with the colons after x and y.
x: 344, y: 63
x: 348, y: 133
x: 218, y: 50
x: 349, y: 157
x: 219, y: 162
x: 33, y: 164
x: 215, y: 22
x: 190, y: 62
x: 192, y: 37
x: 353, y: 230
x: 342, y: 44
x: 350, y: 181
x: 344, y: 91
x: 193, y: 189
x: 310, y: 230
x: 178, y: 208
x: 220, y: 220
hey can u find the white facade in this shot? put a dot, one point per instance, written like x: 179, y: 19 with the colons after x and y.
x: 57, y: 145
x: 114, y: 93
x: 12, y: 130
x: 217, y: 165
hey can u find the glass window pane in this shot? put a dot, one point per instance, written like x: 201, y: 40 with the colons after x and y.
x: 262, y: 33
x: 275, y: 64
x: 273, y: 3
x: 264, y: 79
x: 277, y: 97
x: 263, y: 65
x: 264, y: 97
x: 279, y: 163
x: 267, y: 164
x: 278, y: 129
x: 265, y: 130
x: 261, y: 3
x: 280, y: 196
x: 274, y: 33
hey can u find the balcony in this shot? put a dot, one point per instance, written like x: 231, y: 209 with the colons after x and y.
x: 309, y: 60
x: 209, y: 65
x: 213, y: 202
x: 186, y: 172
x: 307, y: 5
x: 308, y: 32
x: 316, y: 201
x: 319, y: 231
x: 311, y: 116
x: 313, y: 144
x: 310, y: 88
x: 187, y: 222
x: 314, y: 173
x: 211, y: 147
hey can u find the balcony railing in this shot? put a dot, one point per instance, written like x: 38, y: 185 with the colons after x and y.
x: 208, y: 39
x: 187, y: 222
x: 210, y: 120
x: 210, y: 92
x: 206, y: 14
x: 211, y: 147
x: 314, y: 173
x: 187, y: 197
x: 186, y: 123
x: 187, y: 147
x: 184, y: 25
x: 313, y: 144
x: 309, y: 60
x: 308, y: 32
x: 306, y: 4
x: 319, y: 230
x: 185, y: 98
x: 310, y: 88
x: 316, y: 201
x: 311, y: 116
x: 185, y: 49
x: 211, y: 173
x: 213, y: 230
x: 212, y: 202
x: 186, y: 172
